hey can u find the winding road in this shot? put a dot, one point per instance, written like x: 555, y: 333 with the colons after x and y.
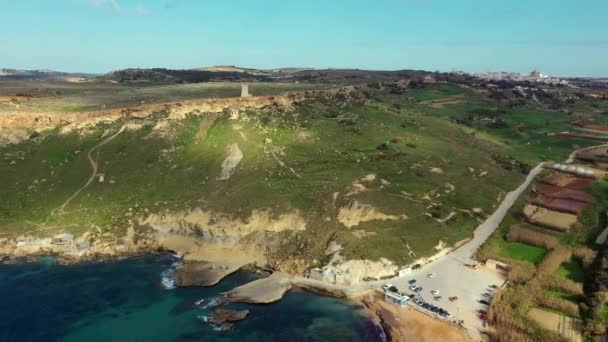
x: 93, y: 163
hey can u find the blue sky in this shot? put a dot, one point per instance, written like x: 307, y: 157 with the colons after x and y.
x: 560, y: 37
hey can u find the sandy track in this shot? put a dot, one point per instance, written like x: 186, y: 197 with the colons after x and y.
x: 93, y: 163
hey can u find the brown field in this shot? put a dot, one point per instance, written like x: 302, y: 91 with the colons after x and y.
x: 550, y: 219
x: 568, y: 327
x: 567, y: 181
x: 562, y: 205
x: 590, y: 126
x: 553, y: 191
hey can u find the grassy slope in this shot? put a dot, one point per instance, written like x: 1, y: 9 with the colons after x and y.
x: 327, y: 154
x: 151, y: 172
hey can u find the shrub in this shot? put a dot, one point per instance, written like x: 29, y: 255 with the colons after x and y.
x: 554, y: 259
x: 562, y: 305
x: 508, y: 315
x: 584, y: 255
x: 518, y: 234
x: 521, y: 272
x: 557, y: 283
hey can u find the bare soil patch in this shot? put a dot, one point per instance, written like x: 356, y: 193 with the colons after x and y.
x: 550, y: 219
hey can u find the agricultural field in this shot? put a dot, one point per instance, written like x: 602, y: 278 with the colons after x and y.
x: 522, y: 252
x: 547, y: 288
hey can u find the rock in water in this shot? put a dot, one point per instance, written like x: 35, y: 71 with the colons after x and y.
x: 225, y: 318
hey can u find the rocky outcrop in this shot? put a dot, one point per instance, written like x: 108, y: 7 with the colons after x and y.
x: 233, y: 158
x: 202, y: 273
x: 68, y: 248
x: 355, y: 213
x: 261, y: 291
x: 225, y: 318
x: 354, y: 271
x: 217, y: 227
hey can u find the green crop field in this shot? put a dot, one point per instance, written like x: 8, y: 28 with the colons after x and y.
x: 572, y: 270
x: 522, y: 252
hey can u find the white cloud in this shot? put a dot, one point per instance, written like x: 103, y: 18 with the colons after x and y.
x: 141, y: 10
x: 115, y: 6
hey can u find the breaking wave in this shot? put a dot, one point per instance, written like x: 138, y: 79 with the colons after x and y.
x: 207, y: 303
x: 167, y: 280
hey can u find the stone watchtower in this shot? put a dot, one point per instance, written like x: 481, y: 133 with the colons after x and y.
x: 245, y: 90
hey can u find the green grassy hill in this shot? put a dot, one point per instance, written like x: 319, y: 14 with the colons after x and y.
x: 434, y: 162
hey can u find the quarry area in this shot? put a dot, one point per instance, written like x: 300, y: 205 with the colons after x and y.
x: 491, y: 202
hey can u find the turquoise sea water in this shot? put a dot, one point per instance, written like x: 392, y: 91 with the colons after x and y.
x: 125, y: 300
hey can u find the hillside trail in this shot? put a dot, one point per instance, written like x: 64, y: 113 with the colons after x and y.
x: 94, y: 167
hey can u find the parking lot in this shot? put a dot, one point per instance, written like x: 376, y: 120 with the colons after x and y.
x: 453, y: 279
x: 470, y: 286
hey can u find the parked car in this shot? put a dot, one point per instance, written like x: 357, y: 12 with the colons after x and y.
x: 413, y: 281
x: 393, y: 289
x: 453, y: 299
x: 418, y: 289
x: 413, y: 287
x: 435, y: 292
x: 483, y: 317
x: 484, y: 302
x: 482, y: 311
x: 494, y: 286
x: 437, y: 297
x: 387, y: 286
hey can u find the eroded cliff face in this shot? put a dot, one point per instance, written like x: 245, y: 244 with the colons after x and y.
x: 70, y: 248
x: 18, y: 126
x: 214, y: 227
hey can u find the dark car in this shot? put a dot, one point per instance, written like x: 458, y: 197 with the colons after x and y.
x: 393, y: 289
x: 435, y: 309
x: 484, y: 302
x: 411, y: 296
x: 413, y: 281
x: 418, y: 290
x: 482, y: 312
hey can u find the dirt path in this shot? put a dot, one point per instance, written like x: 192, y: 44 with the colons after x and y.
x: 573, y: 154
x: 93, y: 163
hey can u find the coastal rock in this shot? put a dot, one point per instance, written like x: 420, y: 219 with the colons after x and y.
x: 219, y: 227
x: 225, y: 318
x: 261, y: 291
x: 202, y: 273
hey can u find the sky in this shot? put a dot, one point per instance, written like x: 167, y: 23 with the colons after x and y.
x: 557, y: 37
